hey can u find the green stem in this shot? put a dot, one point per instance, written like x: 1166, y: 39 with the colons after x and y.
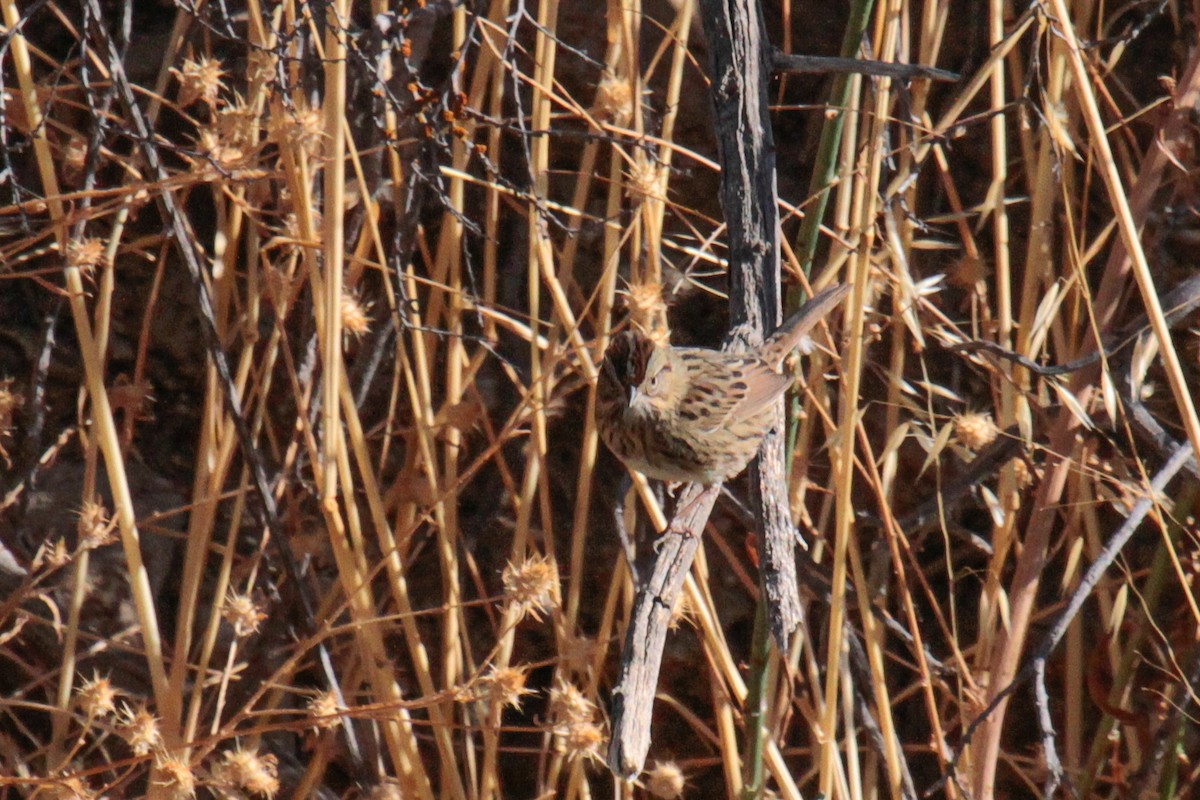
x: 826, y: 168
x: 759, y: 680
x: 824, y: 171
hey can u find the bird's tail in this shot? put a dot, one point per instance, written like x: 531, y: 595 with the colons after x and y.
x: 789, y: 335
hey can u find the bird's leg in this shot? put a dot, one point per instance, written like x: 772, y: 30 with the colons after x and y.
x: 680, y: 521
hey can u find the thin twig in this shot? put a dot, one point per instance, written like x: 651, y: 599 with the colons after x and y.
x: 837, y: 65
x: 267, y: 512
x: 1112, y: 549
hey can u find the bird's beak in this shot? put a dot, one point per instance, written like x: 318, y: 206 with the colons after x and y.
x: 631, y: 395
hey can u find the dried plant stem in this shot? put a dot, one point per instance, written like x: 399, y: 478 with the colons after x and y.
x: 407, y: 232
x: 534, y: 479
x: 455, y: 661
x: 66, y: 682
x: 333, y: 238
x: 968, y: 93
x: 844, y: 468
x: 1123, y: 671
x: 1032, y: 558
x: 1128, y: 227
x: 102, y: 415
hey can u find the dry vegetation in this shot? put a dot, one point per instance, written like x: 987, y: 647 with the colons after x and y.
x: 346, y: 411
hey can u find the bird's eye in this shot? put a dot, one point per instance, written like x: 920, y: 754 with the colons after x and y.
x: 656, y: 382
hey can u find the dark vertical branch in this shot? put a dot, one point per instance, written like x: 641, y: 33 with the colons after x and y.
x: 740, y: 70
x: 740, y: 64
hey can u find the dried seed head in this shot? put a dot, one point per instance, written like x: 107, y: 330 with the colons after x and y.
x: 139, y: 728
x: 975, y: 430
x: 665, y: 779
x: 97, y: 698
x: 581, y: 740
x: 614, y: 100
x: 646, y: 300
x: 647, y: 179
x: 74, y: 158
x: 247, y: 770
x: 531, y: 587
x: 242, y: 613
x: 237, y: 123
x: 72, y: 788
x: 85, y: 254
x: 200, y: 79
x: 176, y: 778
x: 221, y: 155
x: 648, y: 310
x: 95, y: 527
x: 325, y: 710
x: 568, y: 705
x: 356, y: 319
x: 302, y: 128
x: 506, y: 686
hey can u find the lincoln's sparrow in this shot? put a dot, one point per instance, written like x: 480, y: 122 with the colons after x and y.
x: 688, y: 414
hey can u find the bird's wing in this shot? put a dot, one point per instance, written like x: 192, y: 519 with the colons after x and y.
x: 729, y: 390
